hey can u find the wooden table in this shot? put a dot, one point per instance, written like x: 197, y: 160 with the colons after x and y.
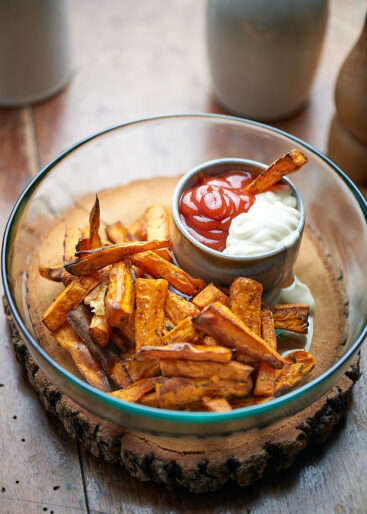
x: 134, y: 59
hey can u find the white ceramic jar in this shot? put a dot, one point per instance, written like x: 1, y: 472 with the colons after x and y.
x: 35, y: 54
x: 263, y: 54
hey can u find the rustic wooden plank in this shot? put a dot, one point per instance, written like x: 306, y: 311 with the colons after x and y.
x: 39, y: 464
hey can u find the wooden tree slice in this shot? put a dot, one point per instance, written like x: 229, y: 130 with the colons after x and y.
x: 201, y: 465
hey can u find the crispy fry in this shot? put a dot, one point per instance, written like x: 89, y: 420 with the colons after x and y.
x: 57, y: 274
x: 298, y: 364
x: 168, y: 325
x: 121, y: 342
x: 82, y: 245
x: 96, y: 298
x: 292, y: 316
x: 134, y: 392
x: 181, y: 392
x: 268, y: 328
x: 117, y: 233
x: 158, y: 267
x: 99, y: 330
x: 209, y: 341
x: 138, y: 228
x: 158, y: 227
x: 285, y: 165
x: 237, y: 403
x: 94, y: 221
x: 79, y: 319
x: 183, y: 332
x: 178, y: 308
x: 119, y: 299
x: 82, y: 356
x: 216, y: 404
x: 245, y: 296
x: 210, y: 294
x: 265, y: 380
x: 185, y: 351
x: 218, y: 321
x: 231, y: 370
x: 149, y: 316
x: 128, y: 329
x: 96, y: 259
x: 149, y: 399
x: 67, y: 300
x: 141, y: 369
x: 266, y: 375
x: 72, y: 235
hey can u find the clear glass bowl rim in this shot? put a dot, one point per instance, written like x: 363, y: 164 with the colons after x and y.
x: 141, y: 410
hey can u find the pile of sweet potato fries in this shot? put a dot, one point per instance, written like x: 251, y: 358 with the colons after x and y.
x: 142, y: 329
x: 139, y: 327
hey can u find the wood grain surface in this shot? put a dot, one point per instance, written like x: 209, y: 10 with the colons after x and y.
x: 134, y: 59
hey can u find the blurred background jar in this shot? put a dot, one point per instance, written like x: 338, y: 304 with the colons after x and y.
x: 263, y: 54
x: 35, y: 50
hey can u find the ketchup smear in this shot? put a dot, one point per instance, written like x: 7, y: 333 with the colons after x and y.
x: 208, y: 208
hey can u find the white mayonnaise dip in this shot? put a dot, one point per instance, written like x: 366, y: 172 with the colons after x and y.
x: 297, y: 292
x: 270, y: 223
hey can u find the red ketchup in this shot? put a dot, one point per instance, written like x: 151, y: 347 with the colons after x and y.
x: 208, y: 208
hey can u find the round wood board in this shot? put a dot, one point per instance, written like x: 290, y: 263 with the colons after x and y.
x: 203, y: 464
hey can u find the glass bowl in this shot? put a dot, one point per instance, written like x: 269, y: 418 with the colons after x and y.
x: 169, y: 146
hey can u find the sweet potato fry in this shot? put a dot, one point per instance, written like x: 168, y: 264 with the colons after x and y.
x: 120, y: 295
x: 268, y: 328
x: 128, y: 329
x: 210, y: 294
x: 149, y: 316
x: 121, y: 342
x: 82, y: 356
x: 158, y: 227
x: 82, y: 245
x: 99, y: 330
x: 96, y: 298
x: 67, y: 300
x: 181, y: 392
x: 138, y: 228
x: 298, y: 364
x: 183, y: 332
x: 209, y: 341
x: 57, y: 274
x: 141, y: 369
x: 72, y: 236
x: 216, y: 404
x: 168, y: 325
x: 158, y: 267
x: 185, y: 351
x: 149, y: 399
x: 117, y: 233
x: 237, y: 403
x: 94, y: 222
x: 96, y: 259
x: 79, y: 319
x: 231, y: 370
x: 218, y: 321
x: 292, y: 316
x: 134, y: 392
x: 266, y: 375
x: 178, y: 308
x: 245, y: 297
x: 285, y: 165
